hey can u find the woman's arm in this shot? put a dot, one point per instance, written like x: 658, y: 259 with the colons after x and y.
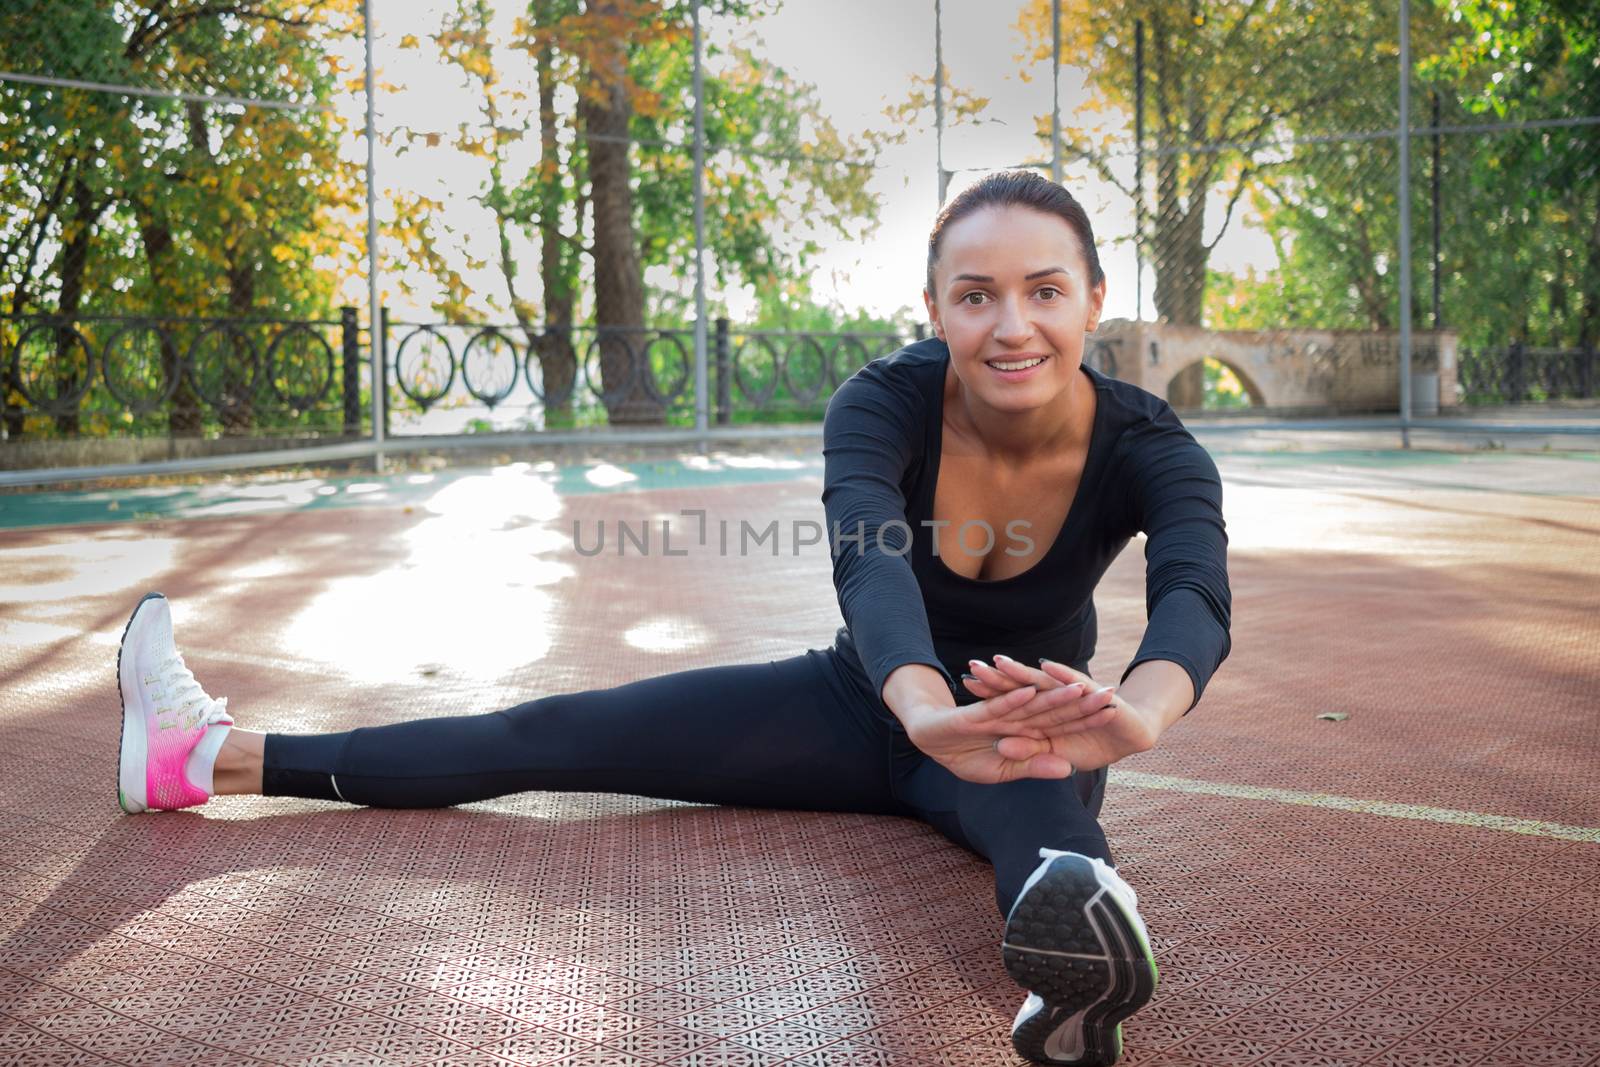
x: 1161, y: 690
x: 1175, y: 498
x: 869, y: 438
x: 913, y: 686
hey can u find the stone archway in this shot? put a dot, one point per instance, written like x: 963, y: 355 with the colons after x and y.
x: 1290, y: 370
x: 1186, y: 388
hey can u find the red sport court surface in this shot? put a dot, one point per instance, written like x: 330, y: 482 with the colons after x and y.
x: 1417, y: 883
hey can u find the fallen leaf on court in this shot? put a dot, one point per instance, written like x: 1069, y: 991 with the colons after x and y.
x: 1334, y: 716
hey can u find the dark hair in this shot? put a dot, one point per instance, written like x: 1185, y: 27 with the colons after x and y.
x: 1022, y: 188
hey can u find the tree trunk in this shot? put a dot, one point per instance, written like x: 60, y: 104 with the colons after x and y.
x: 74, y: 264
x: 1369, y: 284
x: 603, y: 113
x: 558, y: 361
x: 1179, y: 253
x: 1181, y: 260
x: 183, y: 410
x: 239, y: 377
x: 1589, y: 324
x: 15, y: 417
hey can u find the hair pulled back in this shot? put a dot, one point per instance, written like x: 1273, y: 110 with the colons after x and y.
x: 1019, y: 188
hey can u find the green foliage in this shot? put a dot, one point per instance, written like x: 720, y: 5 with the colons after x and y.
x: 128, y: 204
x: 1520, y: 248
x: 1226, y: 75
x: 1222, y: 390
x: 752, y: 202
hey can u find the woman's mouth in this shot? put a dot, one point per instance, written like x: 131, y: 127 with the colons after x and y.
x: 1017, y: 368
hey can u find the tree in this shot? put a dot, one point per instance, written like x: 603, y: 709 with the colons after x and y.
x: 141, y: 205
x: 772, y: 157
x: 532, y: 203
x: 1509, y: 200
x: 1219, y: 81
x: 228, y: 209
x: 1532, y: 190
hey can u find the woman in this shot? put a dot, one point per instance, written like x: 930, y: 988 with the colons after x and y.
x: 992, y: 425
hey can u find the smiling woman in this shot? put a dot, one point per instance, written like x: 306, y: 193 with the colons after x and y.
x: 993, y: 424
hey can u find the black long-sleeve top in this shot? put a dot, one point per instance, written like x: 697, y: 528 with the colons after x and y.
x: 1144, y: 472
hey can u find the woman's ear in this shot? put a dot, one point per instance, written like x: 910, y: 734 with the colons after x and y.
x: 933, y: 314
x: 1097, y: 301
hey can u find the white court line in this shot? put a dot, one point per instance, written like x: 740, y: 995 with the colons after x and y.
x: 1483, y: 821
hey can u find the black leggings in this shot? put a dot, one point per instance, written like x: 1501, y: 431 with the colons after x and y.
x: 802, y: 733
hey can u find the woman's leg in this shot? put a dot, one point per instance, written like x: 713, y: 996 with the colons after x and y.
x: 1008, y: 822
x: 1073, y: 937
x: 773, y: 734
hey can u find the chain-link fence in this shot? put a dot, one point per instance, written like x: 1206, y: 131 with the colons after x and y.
x: 1259, y: 167
x: 184, y: 203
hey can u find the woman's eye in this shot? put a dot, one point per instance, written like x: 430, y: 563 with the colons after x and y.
x: 1049, y: 292
x: 967, y: 298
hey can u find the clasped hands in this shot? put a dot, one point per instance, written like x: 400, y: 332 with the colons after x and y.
x: 1032, y: 722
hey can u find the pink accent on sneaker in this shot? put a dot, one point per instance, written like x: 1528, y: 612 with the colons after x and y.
x: 165, y: 712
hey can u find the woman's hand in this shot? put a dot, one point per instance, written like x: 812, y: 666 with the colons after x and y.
x: 978, y: 741
x: 966, y: 738
x: 1094, y: 729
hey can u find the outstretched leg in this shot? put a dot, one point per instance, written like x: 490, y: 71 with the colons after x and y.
x: 771, y: 734
x: 788, y: 733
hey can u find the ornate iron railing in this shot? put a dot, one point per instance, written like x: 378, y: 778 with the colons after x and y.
x: 156, y: 373
x: 766, y: 367
x: 136, y: 375
x: 647, y: 369
x: 1517, y: 373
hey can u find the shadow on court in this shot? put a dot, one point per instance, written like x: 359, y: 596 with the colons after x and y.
x: 1417, y: 883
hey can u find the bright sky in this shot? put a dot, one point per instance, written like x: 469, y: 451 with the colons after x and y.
x: 861, y: 57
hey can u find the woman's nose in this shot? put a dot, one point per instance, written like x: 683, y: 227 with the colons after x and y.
x: 1012, y: 325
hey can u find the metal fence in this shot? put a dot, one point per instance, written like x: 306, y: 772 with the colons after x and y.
x: 1323, y: 209
x: 442, y: 373
x: 141, y: 374
x: 107, y: 376
x: 1518, y: 373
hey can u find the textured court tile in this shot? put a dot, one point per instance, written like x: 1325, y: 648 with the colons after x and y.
x: 607, y: 929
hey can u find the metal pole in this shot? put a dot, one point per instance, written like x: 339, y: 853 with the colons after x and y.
x: 1138, y: 170
x: 700, y: 393
x: 938, y: 92
x: 374, y: 331
x: 1437, y: 154
x: 1055, y: 91
x: 1405, y: 224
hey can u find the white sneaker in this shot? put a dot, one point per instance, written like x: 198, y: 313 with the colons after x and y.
x: 165, y: 712
x: 1074, y: 939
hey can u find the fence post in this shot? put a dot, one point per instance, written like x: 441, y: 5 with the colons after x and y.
x: 350, y: 354
x: 382, y: 348
x: 724, y: 386
x: 1516, y: 374
x: 10, y: 417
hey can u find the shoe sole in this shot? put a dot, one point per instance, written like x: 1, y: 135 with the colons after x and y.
x: 1069, y: 941
x: 132, y: 752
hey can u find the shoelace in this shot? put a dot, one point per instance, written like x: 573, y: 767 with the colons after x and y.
x: 184, y: 692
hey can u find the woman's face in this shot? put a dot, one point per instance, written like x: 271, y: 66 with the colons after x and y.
x: 1012, y: 288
